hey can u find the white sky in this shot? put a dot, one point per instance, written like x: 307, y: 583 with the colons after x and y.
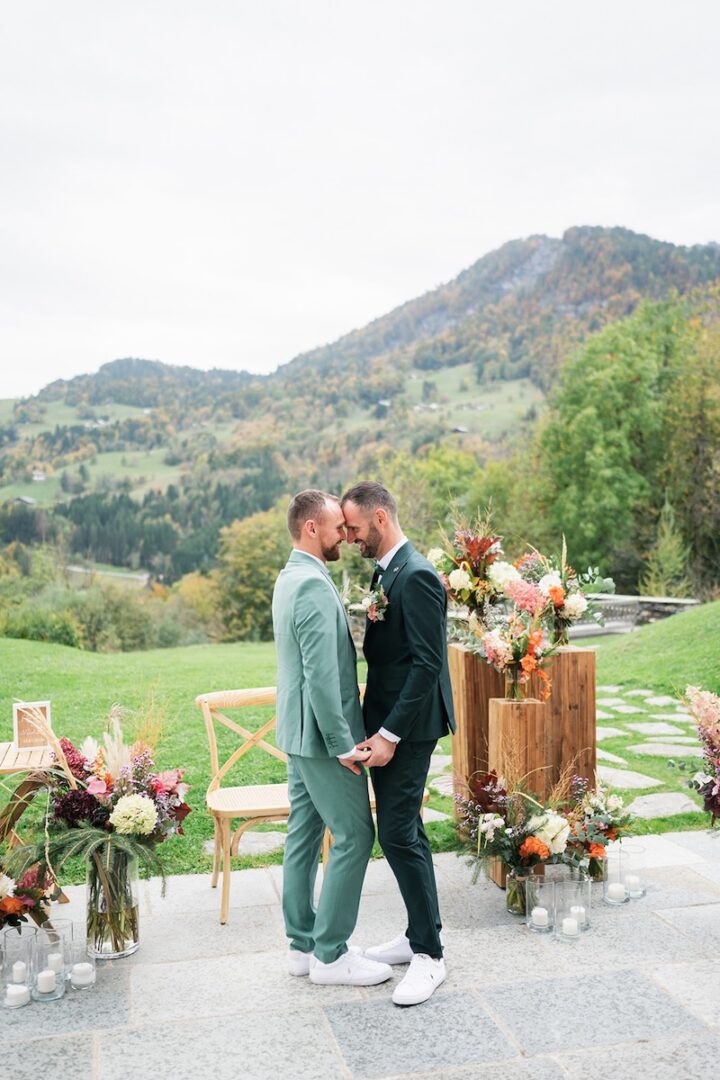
x: 231, y: 182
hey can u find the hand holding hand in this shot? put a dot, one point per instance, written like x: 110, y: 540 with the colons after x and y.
x: 382, y: 750
x: 350, y: 762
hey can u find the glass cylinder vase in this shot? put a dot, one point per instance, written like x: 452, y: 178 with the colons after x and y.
x: 515, y: 893
x: 515, y: 688
x: 113, y: 924
x: 16, y: 965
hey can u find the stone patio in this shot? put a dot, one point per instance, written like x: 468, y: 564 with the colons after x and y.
x: 638, y: 995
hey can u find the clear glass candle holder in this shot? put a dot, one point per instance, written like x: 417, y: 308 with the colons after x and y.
x: 633, y: 856
x: 48, y: 966
x: 60, y: 933
x: 572, y: 907
x: 83, y: 969
x: 540, y: 906
x: 16, y: 961
x: 614, y: 888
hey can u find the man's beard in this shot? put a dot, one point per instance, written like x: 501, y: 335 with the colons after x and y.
x: 371, y: 545
x: 331, y: 554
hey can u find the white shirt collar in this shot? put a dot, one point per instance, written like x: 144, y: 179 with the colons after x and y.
x: 390, y: 555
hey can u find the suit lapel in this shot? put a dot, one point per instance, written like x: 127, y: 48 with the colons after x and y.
x: 390, y: 576
x: 315, y: 566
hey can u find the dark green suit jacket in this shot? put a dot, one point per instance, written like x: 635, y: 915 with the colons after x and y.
x: 408, y: 682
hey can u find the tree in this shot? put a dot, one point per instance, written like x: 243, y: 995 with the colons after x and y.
x: 252, y: 554
x: 665, y: 573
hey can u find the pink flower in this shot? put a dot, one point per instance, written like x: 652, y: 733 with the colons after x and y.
x: 168, y: 783
x: 527, y: 596
x: 97, y: 786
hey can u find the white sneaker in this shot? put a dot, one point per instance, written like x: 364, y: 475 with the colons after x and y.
x: 397, y: 951
x: 299, y: 963
x: 421, y: 981
x: 350, y: 969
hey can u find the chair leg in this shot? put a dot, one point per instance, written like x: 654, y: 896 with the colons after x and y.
x: 326, y: 845
x: 216, y: 855
x: 225, y: 901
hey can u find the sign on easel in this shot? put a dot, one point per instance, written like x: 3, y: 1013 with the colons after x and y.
x: 26, y: 733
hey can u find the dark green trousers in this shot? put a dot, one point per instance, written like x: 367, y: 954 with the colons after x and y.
x: 399, y: 788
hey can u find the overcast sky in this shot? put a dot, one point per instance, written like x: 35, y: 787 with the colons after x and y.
x: 231, y: 182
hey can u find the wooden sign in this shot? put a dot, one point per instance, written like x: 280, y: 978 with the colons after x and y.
x: 26, y: 734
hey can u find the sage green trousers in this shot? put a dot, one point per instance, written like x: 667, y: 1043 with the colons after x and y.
x: 324, y: 793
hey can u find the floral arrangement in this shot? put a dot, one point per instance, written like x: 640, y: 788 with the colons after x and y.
x: 704, y: 707
x: 20, y: 899
x: 109, y: 804
x: 564, y: 591
x: 596, y: 818
x: 516, y: 646
x: 466, y: 562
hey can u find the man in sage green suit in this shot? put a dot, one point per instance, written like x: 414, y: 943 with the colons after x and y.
x: 319, y: 723
x: 407, y: 707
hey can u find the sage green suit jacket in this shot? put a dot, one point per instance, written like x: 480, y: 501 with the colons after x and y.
x: 318, y: 702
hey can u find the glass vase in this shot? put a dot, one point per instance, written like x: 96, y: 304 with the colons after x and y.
x: 560, y: 631
x: 113, y: 925
x: 515, y: 688
x: 597, y: 868
x: 515, y: 893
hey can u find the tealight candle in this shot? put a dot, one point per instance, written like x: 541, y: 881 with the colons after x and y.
x: 19, y: 971
x: 578, y: 912
x: 46, y: 981
x: 16, y: 995
x: 634, y: 886
x: 55, y: 962
x: 82, y: 975
x: 616, y: 890
x: 539, y: 916
x: 570, y: 926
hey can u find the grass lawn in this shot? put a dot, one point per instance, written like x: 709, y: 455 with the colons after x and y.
x: 82, y: 687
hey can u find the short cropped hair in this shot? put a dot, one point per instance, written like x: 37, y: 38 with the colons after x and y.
x: 305, y: 506
x: 369, y: 495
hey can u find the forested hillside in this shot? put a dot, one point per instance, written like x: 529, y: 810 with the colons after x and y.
x: 575, y: 382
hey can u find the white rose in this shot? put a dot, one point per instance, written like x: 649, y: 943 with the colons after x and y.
x: 501, y: 574
x: 7, y: 886
x: 552, y: 829
x: 549, y: 581
x: 365, y: 603
x: 459, y: 580
x: 575, y: 605
x: 614, y: 803
x: 437, y: 557
x: 489, y: 825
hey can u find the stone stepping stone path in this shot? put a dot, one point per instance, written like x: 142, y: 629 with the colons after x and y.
x: 661, y: 699
x: 650, y: 749
x: 639, y: 693
x: 676, y: 738
x: 656, y: 729
x: 434, y: 815
x: 661, y: 804
x: 605, y: 755
x: 600, y: 715
x: 624, y: 779
x: 678, y: 717
x: 608, y: 733
x: 443, y: 784
x: 439, y: 763
x: 610, y: 702
x: 609, y: 689
x: 254, y: 843
x: 628, y: 710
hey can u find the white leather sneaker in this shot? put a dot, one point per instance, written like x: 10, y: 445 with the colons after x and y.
x: 421, y: 981
x: 299, y: 963
x: 397, y: 951
x: 350, y: 969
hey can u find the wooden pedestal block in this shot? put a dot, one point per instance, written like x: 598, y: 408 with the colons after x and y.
x: 570, y: 715
x: 519, y: 731
x: 474, y: 683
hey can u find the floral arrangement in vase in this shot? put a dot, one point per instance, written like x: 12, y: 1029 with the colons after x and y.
x: 21, y: 899
x: 109, y: 804
x: 465, y: 564
x: 564, y: 590
x: 511, y: 825
x: 596, y: 817
x: 517, y: 646
x: 704, y: 707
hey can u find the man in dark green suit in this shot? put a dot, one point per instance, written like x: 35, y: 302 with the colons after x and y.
x: 319, y: 723
x: 407, y: 708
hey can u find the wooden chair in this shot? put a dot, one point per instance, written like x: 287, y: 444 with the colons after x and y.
x: 250, y: 804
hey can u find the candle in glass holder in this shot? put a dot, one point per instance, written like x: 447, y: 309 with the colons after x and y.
x: 46, y: 981
x: 16, y: 995
x: 55, y: 962
x: 570, y: 926
x: 634, y: 886
x: 578, y: 912
x: 82, y: 975
x: 19, y: 971
x: 616, y: 890
x: 539, y: 916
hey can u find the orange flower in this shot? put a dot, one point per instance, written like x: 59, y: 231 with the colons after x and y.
x: 532, y: 846
x: 12, y: 905
x: 557, y: 595
x: 534, y: 642
x: 596, y: 851
x: 546, y: 687
x: 528, y: 664
x: 612, y: 834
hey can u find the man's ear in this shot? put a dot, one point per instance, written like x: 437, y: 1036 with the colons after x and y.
x: 310, y: 527
x: 381, y: 516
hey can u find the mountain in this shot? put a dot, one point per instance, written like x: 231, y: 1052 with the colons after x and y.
x: 516, y: 311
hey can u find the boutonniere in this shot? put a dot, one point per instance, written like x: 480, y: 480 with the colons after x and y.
x: 374, y: 603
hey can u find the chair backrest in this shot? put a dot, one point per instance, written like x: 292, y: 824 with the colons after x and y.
x: 212, y: 706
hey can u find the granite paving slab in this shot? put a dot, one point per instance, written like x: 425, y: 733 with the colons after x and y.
x: 690, y: 739
x: 605, y: 755
x: 703, y: 843
x: 605, y: 689
x: 254, y: 843
x: 678, y: 717
x: 685, y: 1058
x: 608, y: 733
x: 600, y: 715
x: 610, y: 702
x: 629, y: 710
x: 443, y: 784
x: 650, y: 728
x: 626, y: 779
x: 696, y: 986
x: 282, y: 1046
x: 377, y: 1039
x: 67, y: 1055
x: 434, y: 815
x: 676, y: 886
x: 666, y: 750
x: 536, y: 1068
x: 106, y: 1005
x: 660, y: 850
x: 606, y: 1009
x: 638, y: 693
x: 700, y: 924
x: 661, y: 804
x: 661, y: 699
x: 439, y: 762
